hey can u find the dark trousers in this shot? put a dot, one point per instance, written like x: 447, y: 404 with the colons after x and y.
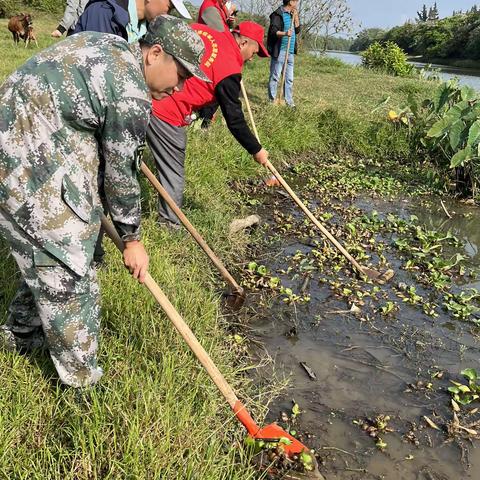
x: 168, y: 145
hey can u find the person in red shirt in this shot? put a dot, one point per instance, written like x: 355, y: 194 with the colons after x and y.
x: 220, y: 15
x: 217, y: 14
x: 225, y: 54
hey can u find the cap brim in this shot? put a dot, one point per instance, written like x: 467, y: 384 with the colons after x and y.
x: 262, y: 51
x: 181, y: 9
x: 195, y: 71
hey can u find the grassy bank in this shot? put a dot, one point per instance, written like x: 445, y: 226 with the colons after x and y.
x: 157, y: 414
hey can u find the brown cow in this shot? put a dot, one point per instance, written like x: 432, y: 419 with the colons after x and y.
x: 22, y: 28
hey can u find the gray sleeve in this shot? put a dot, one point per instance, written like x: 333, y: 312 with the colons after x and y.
x: 73, y: 10
x: 211, y: 16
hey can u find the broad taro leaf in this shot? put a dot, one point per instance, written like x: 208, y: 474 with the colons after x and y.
x: 440, y: 128
x: 456, y: 134
x: 474, y: 134
x: 473, y: 113
x: 454, y: 114
x: 468, y: 93
x: 458, y: 110
x: 461, y: 157
x: 441, y: 96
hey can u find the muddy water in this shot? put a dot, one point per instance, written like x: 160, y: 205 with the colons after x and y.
x: 366, y: 365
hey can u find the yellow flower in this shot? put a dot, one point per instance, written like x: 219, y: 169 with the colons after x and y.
x: 392, y: 116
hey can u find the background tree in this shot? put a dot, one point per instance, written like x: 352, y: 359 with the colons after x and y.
x: 433, y: 14
x: 423, y: 15
x: 367, y: 37
x: 320, y: 19
x: 337, y: 19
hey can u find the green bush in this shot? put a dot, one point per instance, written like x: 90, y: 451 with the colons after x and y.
x: 50, y: 6
x: 452, y: 118
x: 10, y: 7
x: 445, y: 128
x: 388, y: 58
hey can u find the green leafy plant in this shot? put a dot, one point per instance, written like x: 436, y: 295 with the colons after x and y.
x: 389, y: 58
x: 466, y: 394
x: 388, y: 308
x: 463, y: 305
x: 457, y: 128
x: 446, y: 127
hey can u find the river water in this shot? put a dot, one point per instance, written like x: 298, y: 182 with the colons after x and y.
x: 466, y: 76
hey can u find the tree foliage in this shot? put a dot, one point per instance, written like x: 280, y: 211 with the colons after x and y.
x: 319, y: 18
x: 454, y: 37
x: 366, y: 37
x: 422, y: 16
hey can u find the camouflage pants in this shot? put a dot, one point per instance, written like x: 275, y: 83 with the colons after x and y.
x: 55, y: 308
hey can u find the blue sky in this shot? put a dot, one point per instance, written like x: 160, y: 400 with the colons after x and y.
x: 388, y: 13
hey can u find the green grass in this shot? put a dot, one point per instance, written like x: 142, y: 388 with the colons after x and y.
x: 157, y: 414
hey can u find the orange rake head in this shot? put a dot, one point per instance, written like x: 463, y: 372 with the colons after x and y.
x: 274, y: 433
x: 271, y: 434
x: 290, y: 446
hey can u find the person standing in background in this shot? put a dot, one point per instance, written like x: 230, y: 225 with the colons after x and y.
x: 72, y: 12
x: 284, y: 23
x: 217, y: 14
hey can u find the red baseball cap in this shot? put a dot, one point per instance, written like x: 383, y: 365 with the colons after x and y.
x: 255, y: 32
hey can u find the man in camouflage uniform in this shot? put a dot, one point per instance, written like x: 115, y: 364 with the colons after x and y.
x: 75, y: 111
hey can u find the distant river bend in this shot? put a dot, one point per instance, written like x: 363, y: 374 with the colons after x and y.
x: 466, y: 76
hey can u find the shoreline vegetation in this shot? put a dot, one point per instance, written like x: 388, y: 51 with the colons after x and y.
x: 453, y: 40
x: 156, y: 414
x: 473, y: 65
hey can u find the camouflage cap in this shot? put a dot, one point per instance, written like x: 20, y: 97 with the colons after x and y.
x: 178, y: 40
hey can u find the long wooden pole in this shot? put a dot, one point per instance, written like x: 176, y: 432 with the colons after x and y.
x: 364, y: 271
x: 192, y: 230
x: 179, y: 323
x: 313, y: 219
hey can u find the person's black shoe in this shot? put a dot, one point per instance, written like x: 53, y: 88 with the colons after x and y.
x: 171, y: 226
x: 98, y: 261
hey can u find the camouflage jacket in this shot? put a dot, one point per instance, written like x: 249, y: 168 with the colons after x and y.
x: 74, y: 113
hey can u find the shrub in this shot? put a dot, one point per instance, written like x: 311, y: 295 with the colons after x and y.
x: 453, y: 117
x: 50, y: 6
x: 10, y: 7
x: 389, y: 58
x: 446, y: 128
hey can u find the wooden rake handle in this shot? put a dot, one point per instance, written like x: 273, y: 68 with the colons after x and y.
x: 180, y: 325
x: 295, y: 198
x: 313, y: 219
x: 192, y: 230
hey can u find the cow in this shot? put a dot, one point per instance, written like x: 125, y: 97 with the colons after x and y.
x: 21, y: 27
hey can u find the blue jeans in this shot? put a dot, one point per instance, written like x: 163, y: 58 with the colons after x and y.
x: 276, y: 68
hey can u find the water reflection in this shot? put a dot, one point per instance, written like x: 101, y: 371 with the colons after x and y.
x: 466, y: 76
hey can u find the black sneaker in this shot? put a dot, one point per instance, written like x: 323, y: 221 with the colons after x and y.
x: 171, y: 226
